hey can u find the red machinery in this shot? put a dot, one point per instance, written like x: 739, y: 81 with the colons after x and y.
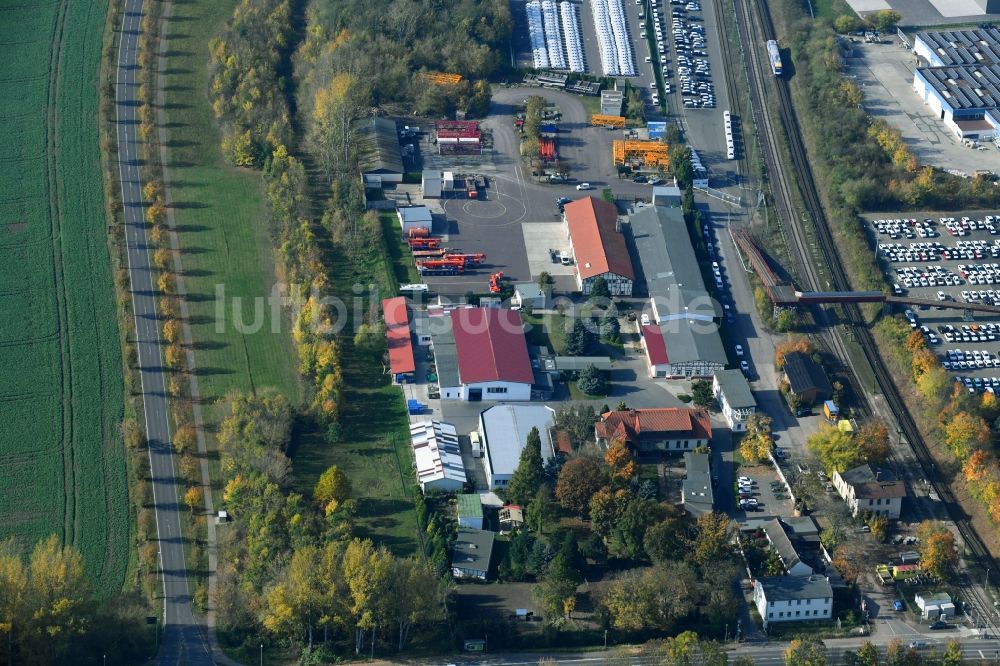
x: 441, y: 266
x: 495, y: 280
x: 429, y: 254
x: 547, y: 150
x: 473, y: 259
x: 418, y: 232
x: 423, y: 243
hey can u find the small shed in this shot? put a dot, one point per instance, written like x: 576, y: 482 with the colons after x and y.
x: 470, y: 511
x: 511, y: 518
x: 831, y: 411
x: 528, y: 294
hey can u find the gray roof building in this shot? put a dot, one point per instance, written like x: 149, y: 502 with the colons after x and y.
x: 445, y: 351
x: 471, y: 553
x: 944, y: 48
x: 806, y: 379
x: 696, y: 490
x: 734, y: 386
x: 965, y: 87
x: 789, y: 556
x: 380, y: 147
x: 792, y: 588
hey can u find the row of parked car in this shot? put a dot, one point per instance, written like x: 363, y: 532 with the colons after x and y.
x: 980, y: 273
x: 988, y: 332
x: 958, y: 359
x: 930, y: 276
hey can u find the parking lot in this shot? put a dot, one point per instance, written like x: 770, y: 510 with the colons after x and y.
x: 948, y: 258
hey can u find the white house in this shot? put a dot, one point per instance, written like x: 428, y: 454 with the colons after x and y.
x: 735, y: 399
x: 867, y: 488
x: 793, y: 598
x: 528, y: 295
x: 482, y: 354
x: 436, y: 456
x: 504, y: 430
x: 933, y: 606
x: 598, y: 246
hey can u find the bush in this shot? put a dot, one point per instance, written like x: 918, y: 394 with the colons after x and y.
x: 592, y: 381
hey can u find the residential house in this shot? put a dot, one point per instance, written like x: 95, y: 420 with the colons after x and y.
x: 659, y: 429
x: 793, y: 598
x: 471, y: 553
x: 789, y: 556
x: 735, y: 398
x: 873, y: 489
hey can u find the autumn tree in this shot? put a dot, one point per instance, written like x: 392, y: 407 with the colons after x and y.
x: 665, y: 541
x: 367, y: 572
x: 171, y: 330
x: 620, y: 462
x: 156, y: 212
x: 713, y: 534
x: 952, y: 654
x: 162, y: 258
x: 185, y: 438
x: 796, y: 343
x: 530, y: 473
x: 805, y: 652
x: 332, y: 132
x: 867, y: 654
x: 872, y: 438
x: 966, y: 433
x: 167, y: 283
x: 836, y: 449
x: 173, y: 355
x: 938, y: 552
x: 332, y: 488
x: 193, y: 499
x: 579, y: 479
x: 607, y: 506
x: 757, y: 442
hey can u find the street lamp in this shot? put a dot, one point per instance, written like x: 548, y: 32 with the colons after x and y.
x: 261, y: 654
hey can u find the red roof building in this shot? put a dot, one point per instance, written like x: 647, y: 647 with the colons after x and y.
x: 598, y: 246
x: 660, y: 429
x: 491, y: 348
x: 397, y: 335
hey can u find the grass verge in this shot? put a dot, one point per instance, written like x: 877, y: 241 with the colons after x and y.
x: 241, y: 342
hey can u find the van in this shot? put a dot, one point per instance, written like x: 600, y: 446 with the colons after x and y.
x: 565, y: 259
x: 413, y: 288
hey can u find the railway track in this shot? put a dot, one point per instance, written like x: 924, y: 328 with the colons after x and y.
x: 754, y: 35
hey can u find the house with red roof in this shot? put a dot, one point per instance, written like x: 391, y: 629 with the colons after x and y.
x: 660, y: 429
x: 598, y: 246
x: 397, y: 334
x: 482, y: 354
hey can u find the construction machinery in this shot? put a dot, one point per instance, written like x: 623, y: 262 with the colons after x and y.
x: 547, y: 150
x: 423, y: 243
x: 418, y: 232
x: 473, y: 259
x: 441, y: 78
x: 441, y: 267
x: 430, y: 254
x: 650, y: 154
x: 495, y: 282
x: 611, y: 122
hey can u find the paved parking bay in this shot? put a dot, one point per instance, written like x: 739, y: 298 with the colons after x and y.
x: 941, y: 255
x: 539, y: 239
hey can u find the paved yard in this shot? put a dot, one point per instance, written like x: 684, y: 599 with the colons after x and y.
x: 539, y: 239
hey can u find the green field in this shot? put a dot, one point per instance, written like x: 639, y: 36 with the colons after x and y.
x: 61, y: 457
x: 221, y: 223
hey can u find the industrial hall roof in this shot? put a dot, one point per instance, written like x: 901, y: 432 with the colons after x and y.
x: 491, y: 346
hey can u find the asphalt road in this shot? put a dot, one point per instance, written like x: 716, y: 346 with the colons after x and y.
x: 183, y: 639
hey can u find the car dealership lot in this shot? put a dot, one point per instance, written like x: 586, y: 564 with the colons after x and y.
x: 949, y: 258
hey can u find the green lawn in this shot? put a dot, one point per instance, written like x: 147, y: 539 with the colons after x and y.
x: 61, y: 397
x: 222, y: 228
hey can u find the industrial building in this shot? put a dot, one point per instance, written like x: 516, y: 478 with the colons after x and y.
x: 659, y: 429
x: 735, y: 398
x: 696, y: 490
x: 806, y: 379
x: 481, y: 353
x: 396, y: 315
x: 504, y: 431
x: 598, y: 246
x: 961, y: 79
x: 611, y: 102
x: 682, y: 339
x: 381, y: 159
x: 436, y: 456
